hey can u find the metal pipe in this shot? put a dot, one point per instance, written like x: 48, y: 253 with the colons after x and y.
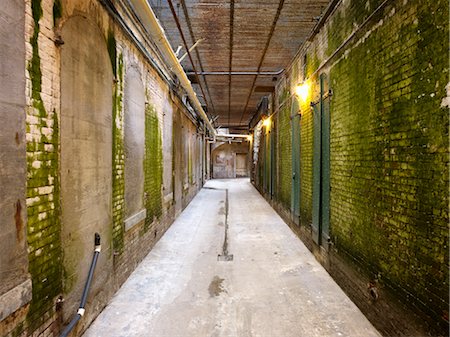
x: 71, y: 325
x: 272, y: 30
x: 156, y: 32
x: 113, y: 12
x: 190, y: 49
x: 230, y: 58
x: 222, y: 73
x: 87, y: 286
x: 191, y: 32
x: 231, y: 135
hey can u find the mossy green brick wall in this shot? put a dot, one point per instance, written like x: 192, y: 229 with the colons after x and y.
x: 306, y: 163
x: 389, y: 153
x: 389, y: 143
x: 43, y: 207
x: 284, y: 152
x: 153, y: 167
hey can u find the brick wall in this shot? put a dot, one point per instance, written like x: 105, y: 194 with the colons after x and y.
x: 46, y: 253
x: 152, y: 166
x: 387, y: 66
x: 284, y: 149
x: 43, y: 224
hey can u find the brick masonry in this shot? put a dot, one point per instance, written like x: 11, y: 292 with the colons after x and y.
x: 387, y: 66
x: 45, y: 315
x: 284, y: 150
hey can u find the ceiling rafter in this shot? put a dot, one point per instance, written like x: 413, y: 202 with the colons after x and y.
x: 175, y: 17
x: 232, y: 41
x: 266, y: 47
x: 230, y: 60
x: 197, y: 53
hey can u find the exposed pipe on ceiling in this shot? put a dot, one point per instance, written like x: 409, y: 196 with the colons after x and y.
x: 230, y: 58
x: 191, y: 32
x: 152, y: 26
x: 269, y: 38
x: 219, y: 73
x: 190, y: 49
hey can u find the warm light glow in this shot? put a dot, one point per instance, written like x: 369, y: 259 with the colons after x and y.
x: 249, y: 138
x: 302, y: 91
x: 266, y: 122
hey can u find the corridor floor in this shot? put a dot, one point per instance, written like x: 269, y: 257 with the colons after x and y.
x: 272, y: 287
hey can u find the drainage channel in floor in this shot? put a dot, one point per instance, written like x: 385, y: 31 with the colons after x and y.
x: 225, y: 255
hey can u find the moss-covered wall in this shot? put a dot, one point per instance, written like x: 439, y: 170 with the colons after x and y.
x: 118, y: 154
x: 284, y: 152
x: 43, y: 207
x: 44, y: 32
x: 387, y: 67
x: 153, y: 168
x: 306, y: 162
x: 389, y: 154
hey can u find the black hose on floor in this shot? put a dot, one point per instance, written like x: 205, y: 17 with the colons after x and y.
x: 87, y: 286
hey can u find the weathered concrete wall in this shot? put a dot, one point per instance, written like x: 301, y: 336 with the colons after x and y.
x: 15, y: 285
x: 100, y: 128
x: 86, y: 153
x: 225, y: 161
x: 387, y: 67
x: 134, y: 106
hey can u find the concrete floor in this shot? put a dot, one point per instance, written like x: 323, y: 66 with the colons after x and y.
x: 273, y: 286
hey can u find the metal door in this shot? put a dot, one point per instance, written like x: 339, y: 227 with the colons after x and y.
x: 317, y: 153
x: 272, y: 159
x: 295, y: 122
x: 321, y: 166
x: 268, y: 162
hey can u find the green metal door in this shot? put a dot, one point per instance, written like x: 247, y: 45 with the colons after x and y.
x: 272, y: 161
x: 317, y: 125
x: 321, y: 166
x: 268, y: 161
x: 295, y: 200
x: 260, y: 163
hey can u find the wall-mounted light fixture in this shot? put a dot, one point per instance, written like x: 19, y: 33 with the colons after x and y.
x: 302, y: 91
x: 266, y: 122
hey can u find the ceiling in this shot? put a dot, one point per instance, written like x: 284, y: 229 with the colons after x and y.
x: 254, y: 39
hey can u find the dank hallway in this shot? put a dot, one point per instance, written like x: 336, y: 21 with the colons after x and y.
x: 272, y: 287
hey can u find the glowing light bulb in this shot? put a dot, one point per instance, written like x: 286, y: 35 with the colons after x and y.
x: 302, y: 91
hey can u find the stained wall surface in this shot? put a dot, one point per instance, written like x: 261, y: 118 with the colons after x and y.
x: 13, y: 260
x: 90, y: 142
x: 134, y: 109
x: 86, y: 150
x: 228, y: 161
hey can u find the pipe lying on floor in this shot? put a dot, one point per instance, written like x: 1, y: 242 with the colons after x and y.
x: 87, y: 286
